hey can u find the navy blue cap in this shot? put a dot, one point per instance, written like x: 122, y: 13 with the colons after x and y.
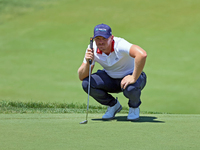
x: 102, y: 30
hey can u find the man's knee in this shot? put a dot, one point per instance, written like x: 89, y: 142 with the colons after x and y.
x: 93, y: 91
x: 132, y: 93
x: 85, y: 83
x: 144, y: 80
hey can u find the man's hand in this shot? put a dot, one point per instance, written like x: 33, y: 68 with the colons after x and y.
x: 129, y: 79
x: 89, y: 55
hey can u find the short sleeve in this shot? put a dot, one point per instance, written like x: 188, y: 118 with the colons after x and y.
x: 124, y: 45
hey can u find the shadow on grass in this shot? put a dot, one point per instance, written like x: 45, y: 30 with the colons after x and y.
x: 142, y: 119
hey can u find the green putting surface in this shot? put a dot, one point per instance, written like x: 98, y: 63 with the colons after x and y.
x: 63, y: 131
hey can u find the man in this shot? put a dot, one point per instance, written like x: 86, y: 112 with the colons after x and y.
x: 123, y: 65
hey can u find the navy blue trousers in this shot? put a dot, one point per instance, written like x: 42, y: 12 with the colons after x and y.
x: 102, y: 85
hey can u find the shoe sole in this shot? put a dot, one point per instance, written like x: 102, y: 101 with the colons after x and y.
x: 133, y: 119
x: 118, y: 110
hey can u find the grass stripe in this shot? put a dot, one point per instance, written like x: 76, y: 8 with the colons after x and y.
x: 13, y: 107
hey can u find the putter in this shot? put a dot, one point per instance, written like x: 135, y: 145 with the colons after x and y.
x: 90, y: 62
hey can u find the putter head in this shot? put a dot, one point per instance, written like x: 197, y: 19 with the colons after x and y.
x: 84, y: 122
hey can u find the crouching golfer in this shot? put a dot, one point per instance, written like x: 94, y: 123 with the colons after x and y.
x: 122, y: 64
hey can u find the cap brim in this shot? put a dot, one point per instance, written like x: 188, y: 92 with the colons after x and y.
x: 105, y: 36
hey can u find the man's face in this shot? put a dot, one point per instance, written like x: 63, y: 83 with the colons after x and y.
x: 103, y: 44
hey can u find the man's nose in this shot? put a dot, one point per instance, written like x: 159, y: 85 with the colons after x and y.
x: 101, y: 40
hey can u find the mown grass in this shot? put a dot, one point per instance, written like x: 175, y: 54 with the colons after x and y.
x: 42, y: 44
x: 63, y: 131
x: 11, y: 9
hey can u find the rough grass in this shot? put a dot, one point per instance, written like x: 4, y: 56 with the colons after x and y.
x: 11, y: 107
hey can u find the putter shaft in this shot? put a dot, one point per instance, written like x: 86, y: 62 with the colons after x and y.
x: 90, y: 62
x: 88, y: 92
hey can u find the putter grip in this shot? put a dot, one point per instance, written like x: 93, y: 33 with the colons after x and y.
x: 91, y: 46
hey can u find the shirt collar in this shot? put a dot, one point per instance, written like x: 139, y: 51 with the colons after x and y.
x: 112, y: 50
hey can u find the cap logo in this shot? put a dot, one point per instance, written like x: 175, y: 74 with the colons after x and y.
x: 101, y: 29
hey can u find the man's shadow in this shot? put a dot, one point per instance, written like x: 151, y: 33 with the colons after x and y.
x: 141, y: 119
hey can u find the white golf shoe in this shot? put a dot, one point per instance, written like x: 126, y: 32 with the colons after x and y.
x: 134, y: 114
x: 111, y: 111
